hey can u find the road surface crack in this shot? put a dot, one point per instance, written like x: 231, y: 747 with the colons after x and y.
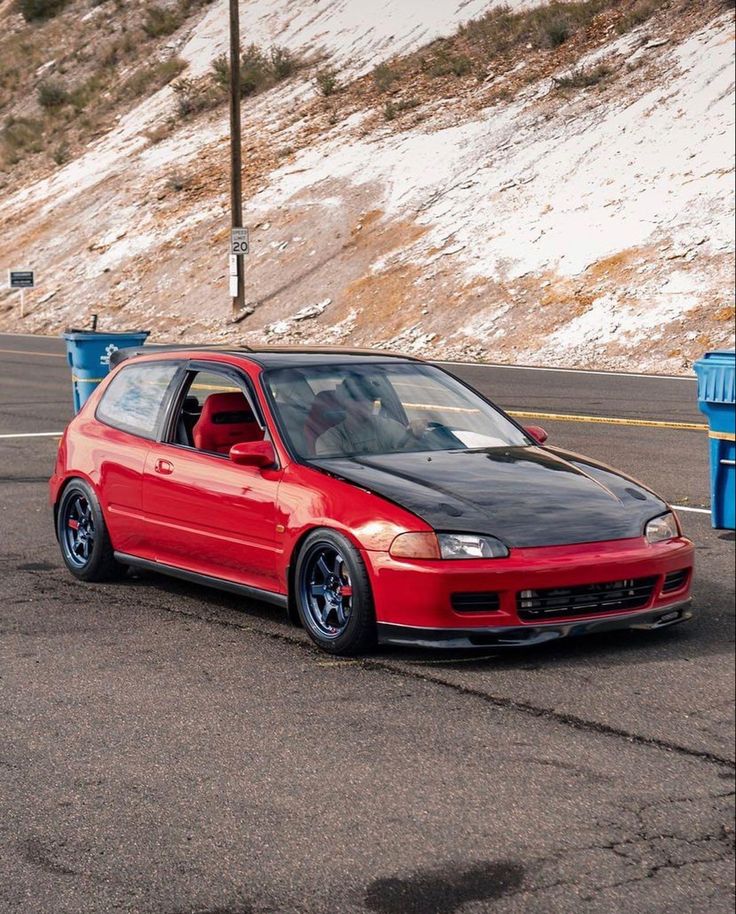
x: 497, y: 701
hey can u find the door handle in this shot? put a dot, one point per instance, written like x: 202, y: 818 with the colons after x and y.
x: 165, y: 467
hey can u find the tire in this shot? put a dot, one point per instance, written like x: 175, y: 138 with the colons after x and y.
x: 333, y: 594
x: 82, y: 533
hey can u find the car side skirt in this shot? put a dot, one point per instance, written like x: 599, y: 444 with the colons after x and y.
x: 206, y: 580
x: 527, y: 635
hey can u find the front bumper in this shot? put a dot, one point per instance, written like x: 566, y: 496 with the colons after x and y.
x: 529, y: 635
x: 418, y: 596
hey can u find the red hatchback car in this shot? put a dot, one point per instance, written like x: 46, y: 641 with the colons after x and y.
x: 375, y: 498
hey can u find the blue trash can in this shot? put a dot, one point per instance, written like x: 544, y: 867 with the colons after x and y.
x: 88, y: 353
x: 716, y: 373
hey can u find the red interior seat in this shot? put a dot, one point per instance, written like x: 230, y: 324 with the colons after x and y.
x: 226, y: 419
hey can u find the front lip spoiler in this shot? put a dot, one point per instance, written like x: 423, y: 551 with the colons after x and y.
x: 529, y: 635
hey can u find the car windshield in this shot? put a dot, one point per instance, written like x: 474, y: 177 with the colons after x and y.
x: 354, y: 410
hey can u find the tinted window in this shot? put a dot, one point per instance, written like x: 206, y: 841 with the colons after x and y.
x: 134, y: 398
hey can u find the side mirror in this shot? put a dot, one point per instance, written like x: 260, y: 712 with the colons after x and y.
x: 537, y: 433
x: 253, y: 454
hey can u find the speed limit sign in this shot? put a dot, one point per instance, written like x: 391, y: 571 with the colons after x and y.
x: 239, y: 241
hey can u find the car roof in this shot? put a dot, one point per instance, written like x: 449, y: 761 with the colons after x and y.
x: 270, y: 357
x: 288, y: 358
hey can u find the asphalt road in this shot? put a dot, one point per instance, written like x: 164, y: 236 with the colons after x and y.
x: 166, y: 749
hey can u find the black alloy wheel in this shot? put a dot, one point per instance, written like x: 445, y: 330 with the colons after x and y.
x: 82, y: 534
x: 333, y: 594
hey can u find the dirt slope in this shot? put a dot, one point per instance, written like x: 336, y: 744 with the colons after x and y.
x: 570, y: 205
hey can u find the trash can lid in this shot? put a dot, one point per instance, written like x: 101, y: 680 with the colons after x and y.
x: 73, y: 333
x: 716, y: 372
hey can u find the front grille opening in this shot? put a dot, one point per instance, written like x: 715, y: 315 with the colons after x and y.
x: 585, y: 600
x: 481, y: 602
x: 675, y: 580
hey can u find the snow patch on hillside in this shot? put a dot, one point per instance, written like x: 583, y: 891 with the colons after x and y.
x: 354, y: 35
x: 517, y: 196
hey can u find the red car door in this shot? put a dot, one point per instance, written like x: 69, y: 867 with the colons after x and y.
x: 204, y: 513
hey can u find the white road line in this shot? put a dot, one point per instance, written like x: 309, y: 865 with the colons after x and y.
x: 59, y: 434
x: 33, y: 336
x: 34, y: 435
x: 615, y: 374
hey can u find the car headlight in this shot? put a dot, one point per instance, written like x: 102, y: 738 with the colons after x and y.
x: 470, y: 546
x: 662, y: 528
x: 447, y: 546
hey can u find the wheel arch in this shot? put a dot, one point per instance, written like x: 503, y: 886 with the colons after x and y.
x: 291, y: 610
x: 68, y: 480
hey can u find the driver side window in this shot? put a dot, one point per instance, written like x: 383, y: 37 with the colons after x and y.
x: 215, y: 413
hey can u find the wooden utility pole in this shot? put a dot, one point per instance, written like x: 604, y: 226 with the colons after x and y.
x: 236, y: 161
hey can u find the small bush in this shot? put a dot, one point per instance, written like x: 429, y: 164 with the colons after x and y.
x: 83, y: 95
x: 160, y: 21
x: 255, y: 71
x: 582, y: 78
x: 326, y: 81
x: 554, y: 31
x: 461, y: 65
x: 445, y: 63
x: 638, y: 15
x: 258, y: 70
x: 52, y: 95
x: 283, y: 63
x: 192, y: 97
x: 20, y: 136
x: 61, y: 154
x: 384, y: 77
x: 391, y: 110
x: 34, y: 10
x: 220, y: 71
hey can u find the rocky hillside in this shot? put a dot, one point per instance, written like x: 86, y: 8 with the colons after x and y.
x: 542, y: 183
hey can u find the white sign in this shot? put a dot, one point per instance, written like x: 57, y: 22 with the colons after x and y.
x: 21, y: 279
x: 239, y: 241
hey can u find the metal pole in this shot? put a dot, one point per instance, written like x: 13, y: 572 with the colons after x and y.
x: 22, y: 302
x: 236, y: 163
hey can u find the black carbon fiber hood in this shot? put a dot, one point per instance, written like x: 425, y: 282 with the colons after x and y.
x: 525, y: 496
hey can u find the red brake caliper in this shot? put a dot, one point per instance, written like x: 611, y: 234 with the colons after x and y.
x: 74, y: 524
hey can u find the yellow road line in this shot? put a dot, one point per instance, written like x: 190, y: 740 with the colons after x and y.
x: 46, y: 355
x: 441, y: 406
x: 611, y: 420
x: 519, y: 414
x: 219, y: 387
x: 722, y: 436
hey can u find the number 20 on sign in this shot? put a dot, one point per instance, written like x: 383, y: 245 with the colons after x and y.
x: 240, y: 241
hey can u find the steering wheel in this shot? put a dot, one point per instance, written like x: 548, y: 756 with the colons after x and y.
x: 440, y: 437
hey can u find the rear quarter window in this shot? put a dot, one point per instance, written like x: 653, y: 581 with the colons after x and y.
x: 134, y: 400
